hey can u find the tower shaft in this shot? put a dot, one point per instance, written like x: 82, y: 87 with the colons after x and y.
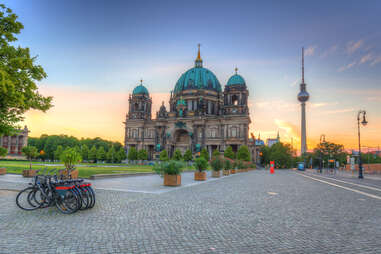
x: 303, y: 125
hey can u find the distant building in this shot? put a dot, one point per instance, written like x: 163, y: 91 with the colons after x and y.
x: 272, y: 141
x: 15, y: 143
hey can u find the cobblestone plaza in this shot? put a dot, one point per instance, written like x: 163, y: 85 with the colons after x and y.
x: 252, y: 212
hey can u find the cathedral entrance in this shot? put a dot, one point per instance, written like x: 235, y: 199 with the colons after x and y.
x: 182, y: 140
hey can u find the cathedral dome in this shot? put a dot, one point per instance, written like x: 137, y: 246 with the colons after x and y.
x: 140, y: 89
x: 236, y: 80
x: 198, y: 78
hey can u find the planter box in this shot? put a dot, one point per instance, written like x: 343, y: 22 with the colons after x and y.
x: 216, y: 173
x: 233, y: 171
x: 3, y: 171
x: 200, y: 176
x: 172, y: 180
x: 226, y: 172
x: 29, y: 173
x: 246, y: 170
x: 74, y: 174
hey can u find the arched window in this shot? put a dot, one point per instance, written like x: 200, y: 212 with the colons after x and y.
x: 136, y: 107
x: 235, y: 99
x: 135, y: 133
x: 233, y: 132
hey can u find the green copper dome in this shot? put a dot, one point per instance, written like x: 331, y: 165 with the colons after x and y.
x: 140, y: 89
x: 236, y: 80
x: 198, y: 78
x: 181, y: 101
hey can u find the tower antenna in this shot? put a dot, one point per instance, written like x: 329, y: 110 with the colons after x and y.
x: 302, y: 65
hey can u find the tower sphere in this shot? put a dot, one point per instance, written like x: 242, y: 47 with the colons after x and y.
x: 303, y: 96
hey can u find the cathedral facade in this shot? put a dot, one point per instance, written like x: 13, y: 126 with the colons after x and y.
x: 200, y: 115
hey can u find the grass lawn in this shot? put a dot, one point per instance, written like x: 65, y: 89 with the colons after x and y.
x: 85, y: 170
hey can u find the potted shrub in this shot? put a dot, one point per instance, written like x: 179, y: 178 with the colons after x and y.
x: 240, y: 166
x: 227, y: 167
x: 171, y: 171
x: 217, y: 165
x: 70, y: 157
x: 3, y: 152
x: 201, y: 165
x: 30, y: 152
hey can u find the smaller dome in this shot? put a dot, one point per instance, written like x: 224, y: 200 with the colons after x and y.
x: 236, y: 80
x: 140, y: 89
x: 303, y: 96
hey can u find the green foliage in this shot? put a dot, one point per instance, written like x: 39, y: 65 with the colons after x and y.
x: 228, y: 153
x: 101, y: 154
x: 280, y: 153
x: 85, y: 152
x: 70, y: 157
x: 217, y: 164
x: 201, y: 164
x: 188, y: 155
x: 169, y: 167
x: 143, y: 155
x: 326, y: 151
x: 19, y: 74
x: 177, y: 155
x: 132, y: 154
x: 204, y: 153
x: 227, y: 165
x: 111, y: 155
x: 58, y: 152
x: 30, y: 152
x: 50, y: 143
x: 239, y: 164
x: 121, y: 155
x: 243, y: 153
x: 164, y: 155
x: 93, y: 154
x: 3, y: 151
x: 216, y: 153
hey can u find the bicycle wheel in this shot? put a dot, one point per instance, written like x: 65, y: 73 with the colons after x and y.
x: 69, y: 203
x: 23, y: 199
x: 86, y: 198
x: 43, y: 200
x: 92, y: 193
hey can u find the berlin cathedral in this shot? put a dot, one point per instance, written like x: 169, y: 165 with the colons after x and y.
x: 200, y: 115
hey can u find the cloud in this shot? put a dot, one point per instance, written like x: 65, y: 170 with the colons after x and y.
x: 329, y: 51
x: 323, y: 104
x: 346, y: 67
x: 376, y: 61
x: 366, y: 58
x: 339, y: 111
x: 353, y: 46
x: 310, y: 51
x: 295, y: 83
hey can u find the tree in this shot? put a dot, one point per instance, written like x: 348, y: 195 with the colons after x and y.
x: 281, y: 154
x: 58, y: 152
x: 243, y: 153
x: 132, y: 154
x: 143, y: 155
x: 85, y: 152
x: 121, y: 155
x: 188, y: 155
x: 3, y: 151
x: 18, y: 76
x: 111, y: 155
x: 101, y: 154
x: 326, y: 151
x: 204, y: 153
x: 164, y: 155
x: 70, y: 157
x: 177, y: 156
x: 93, y: 154
x: 215, y: 153
x: 228, y: 153
x: 30, y: 152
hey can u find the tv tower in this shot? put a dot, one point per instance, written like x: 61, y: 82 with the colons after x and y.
x: 303, y: 96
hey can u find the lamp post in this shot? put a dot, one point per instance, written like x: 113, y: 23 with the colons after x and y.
x: 364, y: 123
x: 322, y: 138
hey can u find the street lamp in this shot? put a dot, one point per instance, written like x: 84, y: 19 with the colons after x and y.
x: 364, y: 123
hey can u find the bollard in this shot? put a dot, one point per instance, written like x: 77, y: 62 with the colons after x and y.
x: 272, y: 171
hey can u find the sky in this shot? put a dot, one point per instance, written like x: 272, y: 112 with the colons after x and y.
x: 95, y: 53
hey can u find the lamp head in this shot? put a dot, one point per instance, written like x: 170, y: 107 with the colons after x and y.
x: 364, y: 121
